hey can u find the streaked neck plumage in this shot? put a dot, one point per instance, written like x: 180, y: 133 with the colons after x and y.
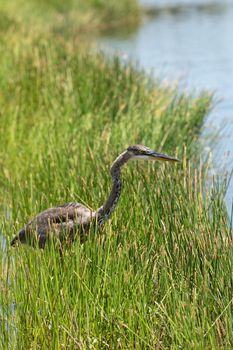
x: 104, y: 212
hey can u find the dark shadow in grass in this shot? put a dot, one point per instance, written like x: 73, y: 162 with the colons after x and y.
x: 7, y: 23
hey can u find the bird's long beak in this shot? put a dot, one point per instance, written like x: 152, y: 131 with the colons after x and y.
x: 162, y: 157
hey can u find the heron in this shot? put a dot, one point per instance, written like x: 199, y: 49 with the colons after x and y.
x: 72, y: 218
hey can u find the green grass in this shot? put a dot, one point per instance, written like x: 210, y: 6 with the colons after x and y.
x: 160, y: 273
x: 72, y: 16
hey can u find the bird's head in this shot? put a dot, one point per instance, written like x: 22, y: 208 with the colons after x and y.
x: 143, y: 152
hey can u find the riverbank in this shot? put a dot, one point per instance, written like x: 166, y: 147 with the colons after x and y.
x: 160, y: 273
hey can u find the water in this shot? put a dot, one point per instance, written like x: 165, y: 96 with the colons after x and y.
x: 192, y: 44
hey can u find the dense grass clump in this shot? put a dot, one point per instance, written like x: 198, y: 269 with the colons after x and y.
x: 72, y: 15
x: 160, y: 273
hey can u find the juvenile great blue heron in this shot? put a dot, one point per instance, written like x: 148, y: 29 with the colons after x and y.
x: 67, y: 219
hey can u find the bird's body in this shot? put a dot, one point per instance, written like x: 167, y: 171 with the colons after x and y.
x: 68, y: 220
x: 63, y: 222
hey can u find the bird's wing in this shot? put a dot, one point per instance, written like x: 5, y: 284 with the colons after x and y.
x: 73, y: 211
x: 64, y: 218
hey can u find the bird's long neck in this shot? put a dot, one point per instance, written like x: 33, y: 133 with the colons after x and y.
x: 104, y: 212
